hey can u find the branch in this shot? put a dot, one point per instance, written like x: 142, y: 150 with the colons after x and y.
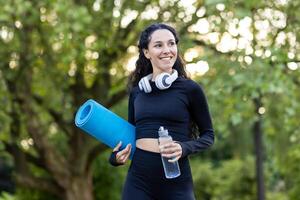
x: 39, y: 184
x: 295, y: 79
x: 55, y: 162
x: 122, y: 34
x: 78, y: 89
x: 279, y: 30
x: 211, y: 47
x: 116, y: 98
x: 19, y: 158
x: 93, y: 154
x: 125, y: 32
x: 22, y: 172
x: 58, y: 117
x: 15, y: 151
x: 102, y: 82
x: 47, y: 56
x: 79, y: 2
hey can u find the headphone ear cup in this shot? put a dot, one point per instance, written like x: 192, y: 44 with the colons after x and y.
x: 160, y: 81
x: 164, y: 80
x: 140, y: 85
x: 144, y: 85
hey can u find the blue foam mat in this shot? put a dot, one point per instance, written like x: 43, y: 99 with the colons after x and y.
x: 104, y: 125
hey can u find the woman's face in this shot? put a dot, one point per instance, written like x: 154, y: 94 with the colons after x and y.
x: 162, y: 51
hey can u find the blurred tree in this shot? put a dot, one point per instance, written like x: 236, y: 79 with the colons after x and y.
x: 57, y: 54
x: 235, y: 179
x: 6, y: 183
x: 257, y: 49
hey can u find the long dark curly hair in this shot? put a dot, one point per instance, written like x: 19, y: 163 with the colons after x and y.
x: 143, y: 65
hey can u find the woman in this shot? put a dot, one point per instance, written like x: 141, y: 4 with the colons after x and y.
x: 162, y: 95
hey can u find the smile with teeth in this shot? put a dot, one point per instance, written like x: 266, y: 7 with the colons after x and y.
x: 166, y: 58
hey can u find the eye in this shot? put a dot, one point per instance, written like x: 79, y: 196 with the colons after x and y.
x: 157, y: 45
x: 172, y: 43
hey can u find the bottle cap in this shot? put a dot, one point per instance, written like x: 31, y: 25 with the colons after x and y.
x: 162, y: 131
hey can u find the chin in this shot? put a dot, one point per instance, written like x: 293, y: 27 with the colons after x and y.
x: 170, y: 66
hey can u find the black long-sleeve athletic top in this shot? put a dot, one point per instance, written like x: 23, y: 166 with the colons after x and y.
x: 173, y: 108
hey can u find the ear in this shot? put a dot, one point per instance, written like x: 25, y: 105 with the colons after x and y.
x: 146, y: 53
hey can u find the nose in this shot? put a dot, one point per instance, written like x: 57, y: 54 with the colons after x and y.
x: 166, y: 49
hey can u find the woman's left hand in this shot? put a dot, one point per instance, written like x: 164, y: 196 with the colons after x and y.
x: 171, y: 150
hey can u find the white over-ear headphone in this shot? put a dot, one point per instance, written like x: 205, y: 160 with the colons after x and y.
x: 162, y: 81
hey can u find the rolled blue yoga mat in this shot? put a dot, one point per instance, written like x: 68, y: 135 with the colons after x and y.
x: 104, y: 125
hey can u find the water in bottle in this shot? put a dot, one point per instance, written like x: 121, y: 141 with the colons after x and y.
x: 171, y: 169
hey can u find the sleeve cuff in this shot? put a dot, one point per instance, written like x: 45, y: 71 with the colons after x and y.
x: 112, y: 159
x: 184, y: 149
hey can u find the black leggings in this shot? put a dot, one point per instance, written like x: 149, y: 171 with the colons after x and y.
x: 146, y: 180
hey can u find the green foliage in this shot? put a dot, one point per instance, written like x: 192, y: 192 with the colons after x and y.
x: 108, y: 180
x: 290, y: 170
x: 233, y: 179
x: 30, y: 194
x: 6, y: 196
x: 26, y: 194
x: 60, y: 53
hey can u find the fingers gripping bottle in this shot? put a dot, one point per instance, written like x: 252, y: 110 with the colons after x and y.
x: 171, y: 168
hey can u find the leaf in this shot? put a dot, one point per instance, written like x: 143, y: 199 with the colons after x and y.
x: 242, y: 12
x: 236, y: 119
x: 7, y: 196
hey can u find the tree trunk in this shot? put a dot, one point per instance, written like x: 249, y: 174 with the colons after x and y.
x: 81, y: 188
x: 258, y: 145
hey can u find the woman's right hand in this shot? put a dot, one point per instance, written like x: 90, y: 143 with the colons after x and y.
x: 123, y: 155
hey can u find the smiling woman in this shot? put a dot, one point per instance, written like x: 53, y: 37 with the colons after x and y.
x: 161, y: 94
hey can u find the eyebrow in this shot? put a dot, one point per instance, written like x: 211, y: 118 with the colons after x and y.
x: 171, y: 40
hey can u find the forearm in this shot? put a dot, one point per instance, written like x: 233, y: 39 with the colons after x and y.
x: 200, y: 144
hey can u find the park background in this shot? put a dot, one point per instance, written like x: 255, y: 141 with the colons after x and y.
x: 56, y: 54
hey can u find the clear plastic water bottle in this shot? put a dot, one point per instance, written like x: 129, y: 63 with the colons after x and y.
x: 171, y: 168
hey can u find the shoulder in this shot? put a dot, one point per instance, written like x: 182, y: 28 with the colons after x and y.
x: 190, y: 86
x: 193, y: 91
x: 134, y: 91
